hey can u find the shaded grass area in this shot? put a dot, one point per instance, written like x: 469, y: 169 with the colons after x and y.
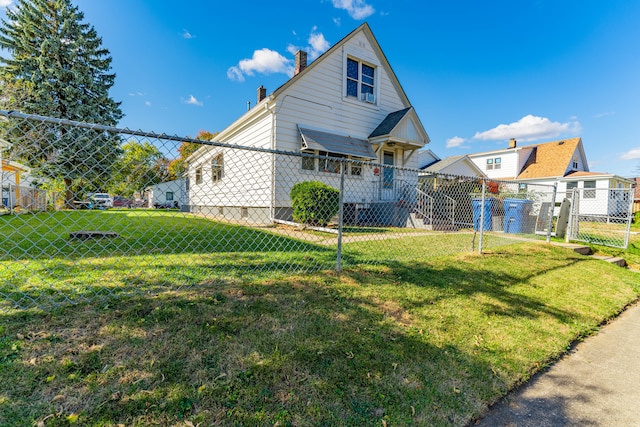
x: 155, y: 250
x: 407, y: 342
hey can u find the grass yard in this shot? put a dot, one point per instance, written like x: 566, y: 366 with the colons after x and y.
x: 397, y: 341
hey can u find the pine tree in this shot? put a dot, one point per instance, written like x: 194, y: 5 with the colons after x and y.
x: 62, y: 62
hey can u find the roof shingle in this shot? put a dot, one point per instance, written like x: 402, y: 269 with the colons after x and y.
x: 551, y: 159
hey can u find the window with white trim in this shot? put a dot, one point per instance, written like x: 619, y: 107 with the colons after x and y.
x: 199, y: 175
x: 589, y: 190
x: 495, y: 163
x: 361, y: 79
x: 217, y: 168
x: 330, y: 163
x: 308, y: 163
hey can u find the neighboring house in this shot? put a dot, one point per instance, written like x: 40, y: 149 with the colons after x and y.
x: 348, y: 104
x: 452, y: 165
x: 17, y: 188
x: 561, y: 162
x: 167, y: 194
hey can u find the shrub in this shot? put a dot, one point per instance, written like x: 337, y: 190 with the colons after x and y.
x: 314, y: 202
x: 636, y: 218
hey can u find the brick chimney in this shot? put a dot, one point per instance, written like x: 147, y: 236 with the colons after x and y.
x: 301, y: 62
x: 262, y: 93
x: 512, y: 143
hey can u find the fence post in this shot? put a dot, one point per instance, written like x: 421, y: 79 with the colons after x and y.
x: 340, y: 219
x: 630, y: 193
x: 552, y: 208
x: 482, y: 201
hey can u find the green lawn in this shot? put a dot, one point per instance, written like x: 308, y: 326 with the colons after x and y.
x: 413, y: 340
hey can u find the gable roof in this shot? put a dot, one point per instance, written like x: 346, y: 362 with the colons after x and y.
x: 552, y: 159
x: 401, y: 126
x: 389, y: 123
x: 374, y: 44
x: 439, y: 166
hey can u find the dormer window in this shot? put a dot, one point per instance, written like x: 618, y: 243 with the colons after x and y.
x: 361, y: 81
x: 574, y: 164
x: 494, y: 163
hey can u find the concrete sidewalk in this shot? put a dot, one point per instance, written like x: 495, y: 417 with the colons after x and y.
x: 596, y: 384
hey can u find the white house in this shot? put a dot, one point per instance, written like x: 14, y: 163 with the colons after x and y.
x: 462, y: 165
x: 562, y: 163
x: 167, y: 194
x: 347, y: 104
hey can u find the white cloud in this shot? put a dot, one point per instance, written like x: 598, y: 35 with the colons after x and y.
x: 336, y: 21
x: 601, y: 115
x: 317, y: 45
x: 632, y: 154
x: 187, y: 35
x: 529, y: 128
x: 5, y: 3
x: 357, y: 9
x: 147, y: 103
x: 267, y: 61
x: 193, y: 101
x: 264, y: 61
x: 456, y: 141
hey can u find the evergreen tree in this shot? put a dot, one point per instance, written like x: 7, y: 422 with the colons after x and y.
x: 60, y: 59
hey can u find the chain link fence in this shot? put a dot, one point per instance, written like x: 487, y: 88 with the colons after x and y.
x: 601, y: 216
x: 90, y: 212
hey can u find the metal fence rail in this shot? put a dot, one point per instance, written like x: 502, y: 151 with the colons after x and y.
x: 115, y: 212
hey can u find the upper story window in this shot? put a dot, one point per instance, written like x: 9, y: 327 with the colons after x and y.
x: 574, y: 163
x: 199, y: 175
x: 495, y: 163
x: 361, y: 80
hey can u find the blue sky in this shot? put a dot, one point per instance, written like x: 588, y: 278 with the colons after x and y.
x: 477, y: 73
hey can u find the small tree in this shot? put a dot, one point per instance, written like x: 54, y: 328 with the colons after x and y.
x: 141, y: 165
x: 314, y: 202
x: 178, y: 167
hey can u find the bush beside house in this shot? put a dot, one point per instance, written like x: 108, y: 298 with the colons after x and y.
x: 314, y: 202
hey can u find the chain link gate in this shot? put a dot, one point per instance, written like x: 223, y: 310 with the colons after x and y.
x: 601, y: 216
x: 90, y: 212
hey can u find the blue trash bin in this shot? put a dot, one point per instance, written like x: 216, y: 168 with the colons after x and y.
x: 477, y: 211
x: 516, y: 215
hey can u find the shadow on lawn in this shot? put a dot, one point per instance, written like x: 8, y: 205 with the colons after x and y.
x: 288, y: 353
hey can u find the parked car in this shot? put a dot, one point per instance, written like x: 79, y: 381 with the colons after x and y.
x: 121, y: 202
x: 166, y: 205
x: 100, y: 200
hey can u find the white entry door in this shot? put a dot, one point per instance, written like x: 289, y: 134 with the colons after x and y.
x: 388, y: 175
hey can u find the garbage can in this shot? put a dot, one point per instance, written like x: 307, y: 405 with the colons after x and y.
x: 476, y: 204
x: 516, y: 215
